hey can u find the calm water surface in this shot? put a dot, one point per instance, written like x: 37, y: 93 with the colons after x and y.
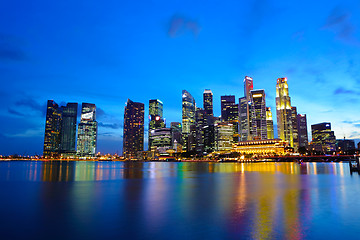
x: 117, y: 200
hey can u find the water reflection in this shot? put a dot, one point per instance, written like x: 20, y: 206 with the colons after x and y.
x: 183, y: 200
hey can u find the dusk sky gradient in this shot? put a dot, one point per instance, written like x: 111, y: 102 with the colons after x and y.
x: 105, y: 52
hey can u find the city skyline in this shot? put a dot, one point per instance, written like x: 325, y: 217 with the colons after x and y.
x: 170, y: 47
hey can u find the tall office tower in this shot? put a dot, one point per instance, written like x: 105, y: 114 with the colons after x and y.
x: 283, y: 111
x: 243, y: 119
x: 200, y: 117
x: 269, y: 124
x: 161, y: 140
x: 232, y: 114
x: 295, y: 128
x: 302, y: 130
x: 176, y: 136
x: 226, y: 101
x: 208, y: 102
x: 133, y: 138
x: 52, y: 130
x: 87, y: 131
x: 188, y: 116
x: 245, y: 110
x: 209, y: 134
x: 323, y: 139
x: 258, y: 128
x: 248, y: 86
x: 156, y: 120
x: 223, y: 136
x: 68, y: 128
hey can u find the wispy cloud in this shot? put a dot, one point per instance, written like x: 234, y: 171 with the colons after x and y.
x: 109, y: 125
x: 180, y: 25
x: 341, y: 90
x: 10, y: 49
x: 338, y: 21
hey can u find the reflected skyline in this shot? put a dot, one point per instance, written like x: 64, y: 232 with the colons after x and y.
x: 182, y: 200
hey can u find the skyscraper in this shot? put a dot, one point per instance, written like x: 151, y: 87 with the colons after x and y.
x: 68, y: 128
x: 269, y: 124
x: 156, y: 120
x: 223, y: 136
x: 188, y: 116
x: 52, y: 130
x: 295, y: 128
x: 208, y: 102
x: 323, y: 139
x: 133, y: 138
x: 302, y: 130
x: 87, y: 131
x: 245, y: 110
x: 258, y: 128
x: 283, y: 111
x: 226, y: 101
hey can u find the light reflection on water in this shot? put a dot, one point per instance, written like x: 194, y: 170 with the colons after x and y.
x: 158, y: 200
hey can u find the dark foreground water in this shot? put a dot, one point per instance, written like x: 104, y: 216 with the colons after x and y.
x: 116, y: 200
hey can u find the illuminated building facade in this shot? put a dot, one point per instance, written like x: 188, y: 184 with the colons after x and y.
x: 269, y: 124
x: 323, y: 139
x: 155, y: 117
x: 223, y: 136
x: 261, y: 147
x: 133, y: 138
x: 245, y: 110
x: 243, y: 119
x: 283, y: 111
x: 208, y: 102
x: 68, y: 128
x: 302, y: 130
x: 200, y: 117
x: 176, y: 136
x: 345, y: 145
x: 226, y: 102
x: 188, y: 117
x: 232, y: 114
x: 87, y: 131
x: 295, y: 128
x: 161, y: 140
x: 258, y: 128
x: 52, y: 130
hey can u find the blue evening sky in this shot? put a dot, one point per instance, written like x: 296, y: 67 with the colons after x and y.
x: 104, y: 52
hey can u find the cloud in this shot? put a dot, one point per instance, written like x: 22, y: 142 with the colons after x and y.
x: 11, y: 111
x: 109, y: 125
x: 10, y: 49
x: 27, y: 133
x: 180, y: 25
x: 341, y: 90
x: 338, y: 21
x: 12, y: 54
x: 31, y: 104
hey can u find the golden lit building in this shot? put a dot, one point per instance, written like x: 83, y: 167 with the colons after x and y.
x: 269, y: 124
x: 283, y: 111
x: 263, y: 147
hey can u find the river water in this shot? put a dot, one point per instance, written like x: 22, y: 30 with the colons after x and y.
x: 168, y: 200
